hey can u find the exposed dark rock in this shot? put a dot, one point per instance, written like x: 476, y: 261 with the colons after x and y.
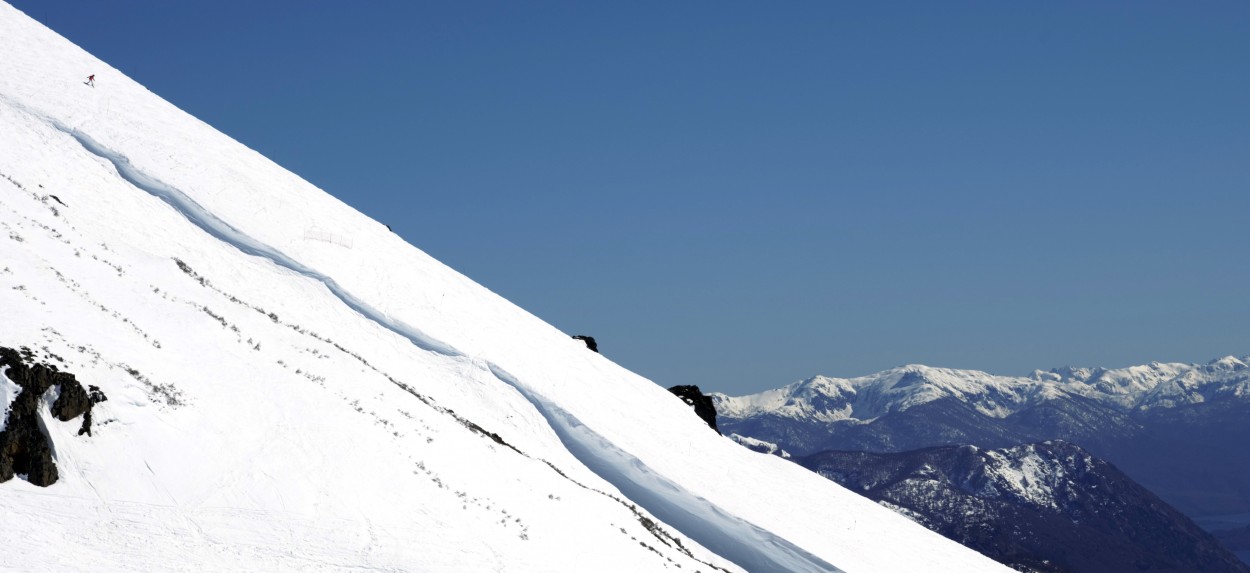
x: 96, y: 395
x: 73, y: 401
x: 1048, y: 507
x: 703, y: 405
x: 25, y: 447
x: 589, y: 340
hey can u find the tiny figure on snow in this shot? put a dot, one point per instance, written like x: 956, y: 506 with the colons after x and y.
x: 90, y: 80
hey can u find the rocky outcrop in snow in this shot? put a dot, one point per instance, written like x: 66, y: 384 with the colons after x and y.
x: 25, y: 447
x: 703, y: 405
x: 589, y: 340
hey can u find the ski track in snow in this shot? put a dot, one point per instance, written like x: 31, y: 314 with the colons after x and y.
x: 733, y: 538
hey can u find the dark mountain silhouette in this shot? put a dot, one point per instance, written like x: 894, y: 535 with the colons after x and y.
x: 1046, y: 507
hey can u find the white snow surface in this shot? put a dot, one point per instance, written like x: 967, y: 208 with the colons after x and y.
x: 863, y: 399
x: 293, y: 387
x: 8, y: 392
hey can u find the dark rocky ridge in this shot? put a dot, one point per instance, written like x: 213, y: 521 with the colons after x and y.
x: 1049, y: 507
x: 703, y: 405
x: 25, y: 447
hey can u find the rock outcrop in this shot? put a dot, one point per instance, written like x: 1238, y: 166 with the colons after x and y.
x: 589, y: 340
x: 703, y: 405
x: 25, y: 447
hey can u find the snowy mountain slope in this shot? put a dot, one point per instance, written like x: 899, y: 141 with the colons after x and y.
x: 292, y: 386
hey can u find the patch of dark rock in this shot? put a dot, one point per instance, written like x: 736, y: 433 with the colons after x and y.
x: 25, y: 447
x: 589, y: 340
x: 703, y: 405
x: 73, y: 400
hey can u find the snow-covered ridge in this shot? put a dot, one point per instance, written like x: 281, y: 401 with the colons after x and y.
x: 1154, y: 385
x: 282, y: 401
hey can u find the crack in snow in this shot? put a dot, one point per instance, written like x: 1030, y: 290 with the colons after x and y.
x: 731, y: 537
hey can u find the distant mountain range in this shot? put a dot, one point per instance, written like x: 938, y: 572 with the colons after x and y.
x: 1044, y: 508
x: 1175, y: 428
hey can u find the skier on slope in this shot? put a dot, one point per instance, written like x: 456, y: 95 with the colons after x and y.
x: 90, y: 80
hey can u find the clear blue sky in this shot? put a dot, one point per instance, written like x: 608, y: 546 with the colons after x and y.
x: 742, y: 194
